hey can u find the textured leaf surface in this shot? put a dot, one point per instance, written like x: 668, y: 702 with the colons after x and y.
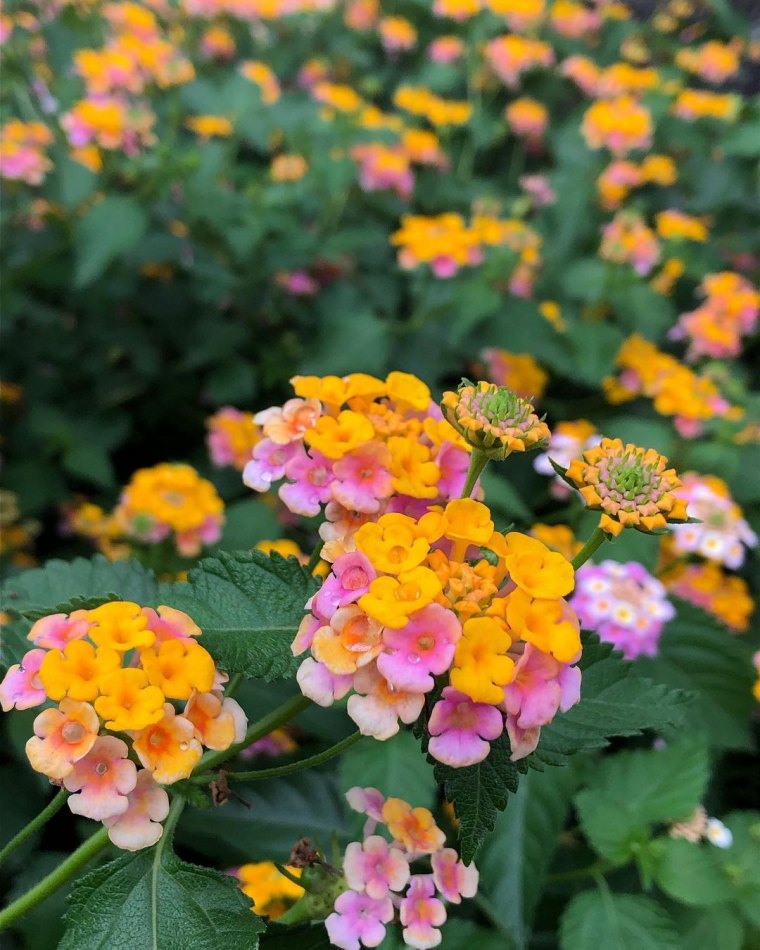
x: 13, y: 642
x: 633, y: 790
x: 249, y: 606
x: 62, y: 586
x: 614, y: 702
x: 478, y: 793
x: 600, y: 919
x: 151, y: 900
x: 515, y: 858
x: 698, y: 654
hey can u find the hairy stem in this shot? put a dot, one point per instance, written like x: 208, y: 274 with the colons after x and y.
x: 256, y: 731
x: 597, y: 539
x: 258, y: 775
x: 53, y: 806
x: 67, y: 869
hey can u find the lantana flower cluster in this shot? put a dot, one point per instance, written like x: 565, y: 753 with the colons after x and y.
x: 382, y: 886
x: 511, y: 56
x: 116, y: 672
x: 358, y: 445
x: 620, y: 125
x: 644, y: 370
x: 728, y: 314
x: 694, y: 104
x: 568, y: 441
x: 232, y: 435
x: 23, y: 154
x: 413, y: 603
x: 631, y: 486
x: 624, y: 604
x: 271, y: 892
x: 721, y: 534
x: 707, y: 585
x: 622, y: 175
x: 170, y: 500
x: 447, y: 244
x: 519, y: 372
x: 627, y: 239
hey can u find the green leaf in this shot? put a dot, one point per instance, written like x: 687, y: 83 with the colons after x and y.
x: 478, y: 793
x: 60, y: 586
x: 600, y: 919
x: 741, y: 862
x: 697, y: 653
x: 13, y: 642
x: 614, y: 702
x: 107, y: 231
x: 395, y: 767
x: 151, y: 899
x: 90, y: 463
x: 717, y: 927
x: 502, y: 495
x: 270, y: 819
x: 691, y: 873
x: 515, y: 858
x: 249, y: 606
x: 633, y: 790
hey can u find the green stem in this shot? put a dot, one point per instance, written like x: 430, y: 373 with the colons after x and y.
x: 316, y: 554
x: 258, y: 775
x: 594, y: 870
x: 56, y: 879
x: 478, y: 462
x: 597, y: 539
x: 54, y: 805
x: 257, y: 731
x: 291, y: 877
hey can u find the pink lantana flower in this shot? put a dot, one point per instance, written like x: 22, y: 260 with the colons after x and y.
x: 367, y: 801
x: 288, y: 423
x: 453, y: 878
x: 170, y: 624
x: 459, y: 729
x: 541, y: 686
x: 102, y: 780
x: 140, y: 825
x: 425, y: 645
x: 374, y: 867
x: 268, y: 464
x: 357, y: 920
x: 62, y: 737
x: 377, y: 707
x: 55, y: 631
x: 305, y: 633
x: 362, y: 478
x: 21, y: 688
x: 350, y: 578
x: 310, y: 488
x: 453, y: 463
x: 421, y: 913
x: 320, y: 685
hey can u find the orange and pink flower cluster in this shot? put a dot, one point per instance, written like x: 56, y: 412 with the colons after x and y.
x: 443, y: 608
x: 114, y: 672
x: 359, y: 446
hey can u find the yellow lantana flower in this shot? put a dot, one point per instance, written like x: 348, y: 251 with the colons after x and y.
x: 177, y: 667
x: 120, y: 625
x: 541, y: 623
x: 334, y: 437
x: 391, y: 600
x: 481, y: 668
x: 77, y: 671
x: 128, y: 701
